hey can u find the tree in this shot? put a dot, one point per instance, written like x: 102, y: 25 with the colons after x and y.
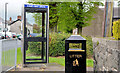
x: 70, y: 15
x: 36, y: 29
x: 53, y: 17
x: 118, y: 3
x: 76, y: 14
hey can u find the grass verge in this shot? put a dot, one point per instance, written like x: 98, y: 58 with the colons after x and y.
x: 58, y: 60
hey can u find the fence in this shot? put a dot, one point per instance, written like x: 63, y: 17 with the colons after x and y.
x: 8, y: 54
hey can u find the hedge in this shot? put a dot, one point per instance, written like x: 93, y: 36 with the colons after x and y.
x: 57, y: 45
x: 116, y: 29
x: 34, y: 48
x: 89, y: 47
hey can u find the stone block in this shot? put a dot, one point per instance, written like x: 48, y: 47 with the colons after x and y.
x: 107, y: 55
x: 119, y: 62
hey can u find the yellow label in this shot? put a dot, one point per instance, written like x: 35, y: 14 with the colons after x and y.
x: 75, y: 56
x: 75, y: 63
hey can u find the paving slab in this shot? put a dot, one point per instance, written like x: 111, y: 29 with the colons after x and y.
x: 54, y: 67
x: 45, y: 67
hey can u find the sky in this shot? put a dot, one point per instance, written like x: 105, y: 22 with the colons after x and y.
x: 14, y: 8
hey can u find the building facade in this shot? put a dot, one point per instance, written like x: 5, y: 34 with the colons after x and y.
x: 1, y: 24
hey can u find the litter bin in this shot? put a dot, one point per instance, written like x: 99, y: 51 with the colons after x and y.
x: 75, y: 59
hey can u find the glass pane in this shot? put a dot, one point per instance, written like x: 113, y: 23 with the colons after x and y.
x: 34, y: 24
x: 34, y: 51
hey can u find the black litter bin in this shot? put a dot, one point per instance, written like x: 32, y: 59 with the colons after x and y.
x: 75, y: 59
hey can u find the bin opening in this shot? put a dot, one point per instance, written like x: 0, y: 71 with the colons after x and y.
x: 75, y: 45
x: 76, y: 50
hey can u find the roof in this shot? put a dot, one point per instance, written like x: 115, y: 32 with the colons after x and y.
x: 12, y: 22
x: 75, y: 37
x: 9, y: 22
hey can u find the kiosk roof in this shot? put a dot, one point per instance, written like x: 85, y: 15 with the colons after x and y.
x: 35, y: 6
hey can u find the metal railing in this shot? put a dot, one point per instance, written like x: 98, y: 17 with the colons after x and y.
x: 8, y: 54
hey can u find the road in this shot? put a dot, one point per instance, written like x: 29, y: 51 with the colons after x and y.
x: 19, y: 43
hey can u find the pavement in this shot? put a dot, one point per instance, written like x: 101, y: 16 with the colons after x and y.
x: 44, y: 67
x: 54, y: 67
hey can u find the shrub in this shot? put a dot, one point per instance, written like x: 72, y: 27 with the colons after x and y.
x: 34, y: 48
x: 57, y: 44
x: 116, y: 29
x: 89, y: 47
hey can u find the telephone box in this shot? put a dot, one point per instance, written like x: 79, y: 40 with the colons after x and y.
x: 35, y: 33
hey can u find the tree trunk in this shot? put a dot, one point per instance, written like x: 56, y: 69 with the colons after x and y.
x: 80, y: 30
x: 55, y: 28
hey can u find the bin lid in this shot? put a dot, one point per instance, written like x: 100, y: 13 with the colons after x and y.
x: 75, y: 37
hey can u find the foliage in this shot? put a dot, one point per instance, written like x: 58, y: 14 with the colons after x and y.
x: 89, y: 47
x: 34, y: 48
x: 116, y: 29
x: 36, y: 29
x: 69, y: 15
x: 118, y: 3
x: 57, y: 44
x: 53, y: 17
x: 89, y: 62
x: 37, y: 17
x: 75, y: 15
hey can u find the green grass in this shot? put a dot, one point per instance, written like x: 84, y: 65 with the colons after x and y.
x: 19, y: 56
x: 89, y: 63
x: 60, y: 60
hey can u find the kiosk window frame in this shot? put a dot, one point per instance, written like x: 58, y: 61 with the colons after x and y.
x: 44, y: 9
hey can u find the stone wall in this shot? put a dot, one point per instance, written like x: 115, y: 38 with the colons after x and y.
x: 106, y: 54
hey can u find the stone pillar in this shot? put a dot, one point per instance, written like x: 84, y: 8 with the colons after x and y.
x: 106, y: 54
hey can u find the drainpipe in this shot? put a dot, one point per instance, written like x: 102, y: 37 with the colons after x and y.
x: 103, y: 25
x: 110, y: 29
x: 106, y: 19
